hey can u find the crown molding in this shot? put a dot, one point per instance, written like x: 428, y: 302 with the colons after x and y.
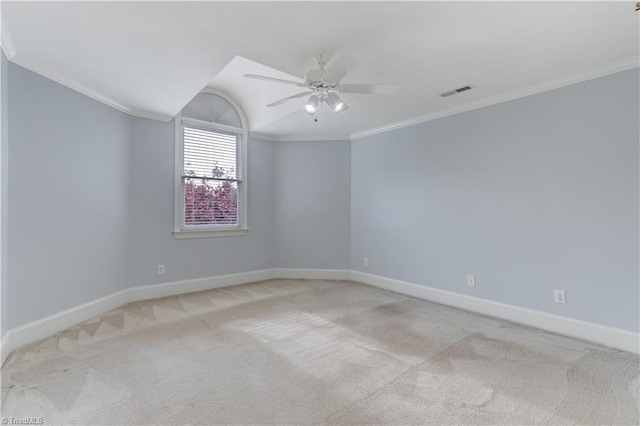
x: 150, y: 115
x: 58, y: 78
x: 67, y: 82
x: 8, y: 47
x: 10, y: 51
x: 557, y: 83
x: 12, y: 55
x: 300, y: 138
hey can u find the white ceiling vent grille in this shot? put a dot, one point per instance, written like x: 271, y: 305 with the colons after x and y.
x: 456, y: 91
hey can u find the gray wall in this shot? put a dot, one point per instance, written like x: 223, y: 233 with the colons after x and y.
x: 151, y: 240
x: 4, y: 192
x: 312, y: 217
x: 531, y: 195
x: 90, y: 193
x: 68, y: 193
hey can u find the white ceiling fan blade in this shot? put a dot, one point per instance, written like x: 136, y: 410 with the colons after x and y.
x: 369, y: 89
x: 338, y: 67
x: 275, y: 80
x: 281, y: 101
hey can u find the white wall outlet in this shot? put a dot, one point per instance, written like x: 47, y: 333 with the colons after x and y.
x: 366, y: 261
x: 160, y: 269
x: 471, y: 280
x: 559, y: 296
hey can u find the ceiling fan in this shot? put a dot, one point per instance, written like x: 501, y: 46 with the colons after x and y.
x: 323, y: 85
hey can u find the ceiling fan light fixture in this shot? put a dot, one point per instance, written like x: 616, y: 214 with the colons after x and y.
x: 312, y: 105
x: 341, y: 106
x: 336, y: 103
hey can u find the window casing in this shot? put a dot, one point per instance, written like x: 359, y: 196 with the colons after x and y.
x: 210, y: 168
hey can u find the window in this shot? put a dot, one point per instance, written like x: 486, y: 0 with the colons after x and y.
x: 211, y: 149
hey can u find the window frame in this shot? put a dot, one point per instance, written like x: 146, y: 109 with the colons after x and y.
x: 180, y: 230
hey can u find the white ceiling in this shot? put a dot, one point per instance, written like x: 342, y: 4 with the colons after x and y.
x: 151, y: 58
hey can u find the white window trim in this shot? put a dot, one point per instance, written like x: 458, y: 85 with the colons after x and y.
x: 180, y: 232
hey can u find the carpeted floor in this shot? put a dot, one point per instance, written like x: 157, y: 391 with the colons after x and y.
x: 309, y: 352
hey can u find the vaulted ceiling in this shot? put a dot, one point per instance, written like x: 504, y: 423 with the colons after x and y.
x: 151, y: 58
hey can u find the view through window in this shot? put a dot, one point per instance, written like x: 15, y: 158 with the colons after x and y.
x: 210, y: 177
x: 211, y: 149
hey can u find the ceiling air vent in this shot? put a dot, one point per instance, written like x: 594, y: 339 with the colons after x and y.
x: 456, y: 91
x: 451, y: 93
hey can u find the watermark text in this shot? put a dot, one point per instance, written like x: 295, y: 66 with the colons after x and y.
x: 22, y: 421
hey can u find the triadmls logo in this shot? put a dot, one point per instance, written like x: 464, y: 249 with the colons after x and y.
x: 22, y: 421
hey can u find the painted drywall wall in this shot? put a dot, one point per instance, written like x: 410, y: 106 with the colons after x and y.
x: 312, y: 218
x: 91, y: 203
x: 150, y: 238
x: 4, y: 192
x: 531, y: 195
x: 67, y: 197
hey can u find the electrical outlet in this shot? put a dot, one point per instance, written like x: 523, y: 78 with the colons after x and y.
x: 366, y: 261
x: 471, y: 280
x: 559, y: 296
x: 160, y: 269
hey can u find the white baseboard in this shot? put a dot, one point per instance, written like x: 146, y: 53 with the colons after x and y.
x: 48, y: 326
x: 313, y: 274
x: 189, y: 286
x: 597, y: 333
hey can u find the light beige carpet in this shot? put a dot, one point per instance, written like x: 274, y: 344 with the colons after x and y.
x: 314, y: 352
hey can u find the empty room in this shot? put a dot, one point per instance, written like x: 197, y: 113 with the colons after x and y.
x: 315, y: 212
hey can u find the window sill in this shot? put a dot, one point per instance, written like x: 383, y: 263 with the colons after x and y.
x: 184, y: 234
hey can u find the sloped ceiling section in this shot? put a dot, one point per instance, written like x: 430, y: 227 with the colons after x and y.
x: 151, y: 58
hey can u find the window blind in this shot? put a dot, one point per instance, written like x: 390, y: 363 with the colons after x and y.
x: 211, y: 177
